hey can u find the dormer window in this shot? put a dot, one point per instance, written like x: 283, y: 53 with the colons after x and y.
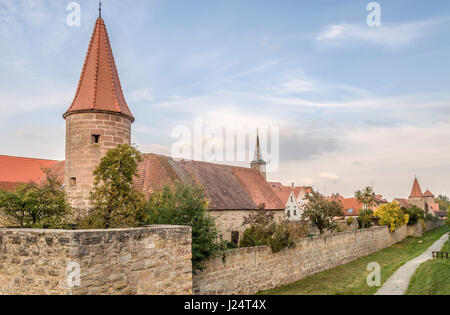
x: 95, y: 139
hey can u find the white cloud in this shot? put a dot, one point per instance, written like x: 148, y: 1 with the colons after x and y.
x: 392, y: 36
x: 329, y: 176
x: 141, y: 95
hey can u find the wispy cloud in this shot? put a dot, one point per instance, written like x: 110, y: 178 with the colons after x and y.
x: 392, y: 36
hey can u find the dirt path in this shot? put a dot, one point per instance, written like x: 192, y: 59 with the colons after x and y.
x: 398, y: 283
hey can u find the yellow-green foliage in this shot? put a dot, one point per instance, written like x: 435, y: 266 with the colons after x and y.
x: 392, y: 216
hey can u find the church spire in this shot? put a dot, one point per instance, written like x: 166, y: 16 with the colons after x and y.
x: 258, y: 155
x: 258, y: 163
x: 99, y: 88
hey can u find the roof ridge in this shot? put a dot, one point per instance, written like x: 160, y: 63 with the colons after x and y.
x: 28, y: 158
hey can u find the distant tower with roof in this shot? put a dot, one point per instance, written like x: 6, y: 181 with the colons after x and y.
x: 98, y: 120
x: 258, y: 162
x: 416, y: 197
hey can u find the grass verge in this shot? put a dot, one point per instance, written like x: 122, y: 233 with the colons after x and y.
x: 350, y: 279
x: 432, y: 277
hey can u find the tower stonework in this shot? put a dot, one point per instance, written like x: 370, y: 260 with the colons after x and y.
x: 98, y: 119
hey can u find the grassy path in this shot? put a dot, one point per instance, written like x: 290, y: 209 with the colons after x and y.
x: 432, y: 277
x: 350, y: 279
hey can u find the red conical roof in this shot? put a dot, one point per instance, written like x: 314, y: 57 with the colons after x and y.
x: 416, y: 191
x: 99, y: 87
x: 428, y: 194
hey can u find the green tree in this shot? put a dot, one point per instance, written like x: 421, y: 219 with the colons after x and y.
x: 365, y: 196
x: 391, y: 215
x: 264, y: 229
x: 320, y: 211
x: 42, y: 205
x: 115, y: 202
x: 444, y: 202
x: 415, y: 214
x: 365, y: 218
x: 186, y: 205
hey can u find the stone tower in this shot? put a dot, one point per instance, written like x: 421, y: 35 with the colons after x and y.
x: 429, y: 197
x: 98, y: 120
x: 258, y: 162
x: 416, y: 197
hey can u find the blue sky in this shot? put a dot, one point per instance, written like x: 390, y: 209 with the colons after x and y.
x: 355, y: 105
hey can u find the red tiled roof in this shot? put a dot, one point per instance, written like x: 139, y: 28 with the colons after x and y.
x: 284, y: 192
x: 433, y: 207
x: 226, y: 187
x: 402, y: 202
x: 99, y: 87
x: 428, y: 194
x: 416, y: 191
x: 19, y: 170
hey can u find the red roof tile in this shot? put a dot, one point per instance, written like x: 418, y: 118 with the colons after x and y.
x: 416, y: 191
x: 226, y: 187
x: 99, y: 87
x: 428, y: 194
x: 402, y: 202
x: 19, y: 170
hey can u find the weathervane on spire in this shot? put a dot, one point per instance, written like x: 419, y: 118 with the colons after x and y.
x: 100, y: 8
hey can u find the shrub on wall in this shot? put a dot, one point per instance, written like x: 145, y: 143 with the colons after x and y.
x: 392, y: 216
x: 416, y: 215
x: 186, y: 205
x: 264, y: 229
x: 35, y: 205
x: 320, y: 211
x: 115, y: 202
x: 365, y: 219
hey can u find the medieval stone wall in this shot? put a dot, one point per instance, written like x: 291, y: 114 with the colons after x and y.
x: 82, y: 153
x: 151, y: 260
x: 229, y: 221
x: 249, y: 270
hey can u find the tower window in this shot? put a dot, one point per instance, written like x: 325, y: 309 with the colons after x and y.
x: 73, y: 182
x: 95, y: 139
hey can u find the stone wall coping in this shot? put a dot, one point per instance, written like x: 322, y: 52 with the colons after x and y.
x: 150, y: 227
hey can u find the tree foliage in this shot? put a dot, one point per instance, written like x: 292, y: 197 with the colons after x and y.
x: 416, y: 215
x: 365, y: 196
x: 42, y: 205
x: 365, y: 218
x: 320, y: 211
x: 444, y: 202
x: 265, y: 229
x: 392, y: 215
x: 115, y: 202
x: 186, y: 205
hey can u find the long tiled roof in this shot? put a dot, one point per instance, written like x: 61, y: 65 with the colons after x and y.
x: 99, y: 87
x: 20, y: 170
x: 226, y: 187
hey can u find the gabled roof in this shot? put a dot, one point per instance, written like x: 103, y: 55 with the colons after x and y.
x: 416, y: 191
x: 226, y: 187
x: 20, y: 170
x: 99, y: 87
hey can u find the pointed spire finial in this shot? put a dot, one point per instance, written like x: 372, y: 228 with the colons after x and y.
x: 100, y: 9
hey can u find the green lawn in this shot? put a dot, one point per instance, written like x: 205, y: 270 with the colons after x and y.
x: 432, y: 277
x: 350, y: 279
